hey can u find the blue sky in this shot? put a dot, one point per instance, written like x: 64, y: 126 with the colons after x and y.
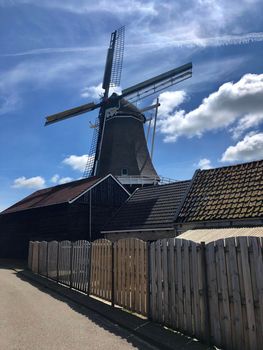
x: 52, y: 58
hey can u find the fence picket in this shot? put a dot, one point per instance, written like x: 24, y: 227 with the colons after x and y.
x: 248, y: 293
x: 256, y: 244
x: 213, y: 294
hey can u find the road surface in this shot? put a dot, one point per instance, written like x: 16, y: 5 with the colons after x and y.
x: 31, y: 319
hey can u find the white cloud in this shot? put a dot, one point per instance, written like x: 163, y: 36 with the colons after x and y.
x: 93, y: 91
x: 168, y: 23
x: 8, y: 102
x: 250, y: 148
x: 204, y: 163
x: 64, y: 180
x: 36, y: 182
x: 169, y: 100
x: 97, y: 91
x: 78, y: 162
x: 84, y: 6
x: 164, y: 41
x: 240, y: 102
x: 56, y: 179
x: 52, y: 50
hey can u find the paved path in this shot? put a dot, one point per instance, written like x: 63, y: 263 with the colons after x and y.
x: 31, y: 319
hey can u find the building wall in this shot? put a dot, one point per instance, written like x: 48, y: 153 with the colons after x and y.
x: 60, y: 221
x: 183, y: 227
x: 151, y: 235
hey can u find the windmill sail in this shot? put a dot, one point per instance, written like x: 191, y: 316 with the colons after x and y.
x: 112, y: 76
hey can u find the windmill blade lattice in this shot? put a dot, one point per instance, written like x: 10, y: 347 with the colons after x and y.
x: 90, y: 162
x: 118, y: 58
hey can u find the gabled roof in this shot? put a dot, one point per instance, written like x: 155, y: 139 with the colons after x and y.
x: 232, y: 192
x: 149, y: 208
x: 65, y: 193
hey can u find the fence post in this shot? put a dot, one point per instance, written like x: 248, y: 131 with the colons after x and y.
x: 71, y: 264
x: 38, y: 257
x: 112, y: 275
x: 89, y: 276
x: 148, y: 295
x: 206, y: 295
x: 57, y: 262
x: 47, y: 259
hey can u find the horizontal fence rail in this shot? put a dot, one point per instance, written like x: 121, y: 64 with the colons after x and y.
x: 213, y: 292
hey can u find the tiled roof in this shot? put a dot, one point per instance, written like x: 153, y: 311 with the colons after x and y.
x: 149, y: 208
x: 53, y: 195
x: 210, y: 235
x: 233, y: 192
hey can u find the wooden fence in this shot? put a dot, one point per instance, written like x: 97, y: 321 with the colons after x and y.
x: 101, y: 269
x: 178, y: 286
x: 80, y: 265
x: 213, y: 292
x: 131, y: 275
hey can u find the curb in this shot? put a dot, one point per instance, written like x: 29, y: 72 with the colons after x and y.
x: 148, y: 331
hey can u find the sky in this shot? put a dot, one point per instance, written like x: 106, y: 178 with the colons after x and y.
x: 52, y: 58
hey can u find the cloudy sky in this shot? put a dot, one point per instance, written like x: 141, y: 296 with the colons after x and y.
x: 52, y: 58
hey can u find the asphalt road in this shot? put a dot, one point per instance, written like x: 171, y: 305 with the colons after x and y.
x: 32, y: 319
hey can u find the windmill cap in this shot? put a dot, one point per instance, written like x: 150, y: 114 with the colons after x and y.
x: 128, y: 109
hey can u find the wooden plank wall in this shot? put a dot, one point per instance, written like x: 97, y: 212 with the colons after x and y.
x: 101, y: 269
x: 130, y: 275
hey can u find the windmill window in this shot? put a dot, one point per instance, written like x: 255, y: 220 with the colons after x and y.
x: 124, y: 171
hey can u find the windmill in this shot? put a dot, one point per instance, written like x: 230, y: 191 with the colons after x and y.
x: 118, y: 144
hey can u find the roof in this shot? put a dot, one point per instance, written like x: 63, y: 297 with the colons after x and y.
x: 232, y: 192
x: 54, y: 195
x: 149, y: 208
x: 210, y: 235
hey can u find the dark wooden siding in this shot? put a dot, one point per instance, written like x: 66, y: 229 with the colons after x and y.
x: 60, y: 221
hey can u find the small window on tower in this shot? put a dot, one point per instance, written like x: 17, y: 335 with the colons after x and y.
x: 124, y: 171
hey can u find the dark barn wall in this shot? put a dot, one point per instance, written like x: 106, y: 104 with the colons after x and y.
x: 106, y: 199
x: 18, y: 228
x: 60, y: 221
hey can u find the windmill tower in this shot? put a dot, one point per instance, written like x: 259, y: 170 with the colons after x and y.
x: 119, y: 145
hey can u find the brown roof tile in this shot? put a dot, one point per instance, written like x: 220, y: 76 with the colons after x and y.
x: 53, y: 195
x: 225, y: 193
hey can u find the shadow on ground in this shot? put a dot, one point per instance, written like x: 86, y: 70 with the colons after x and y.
x: 178, y: 341
x: 92, y: 316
